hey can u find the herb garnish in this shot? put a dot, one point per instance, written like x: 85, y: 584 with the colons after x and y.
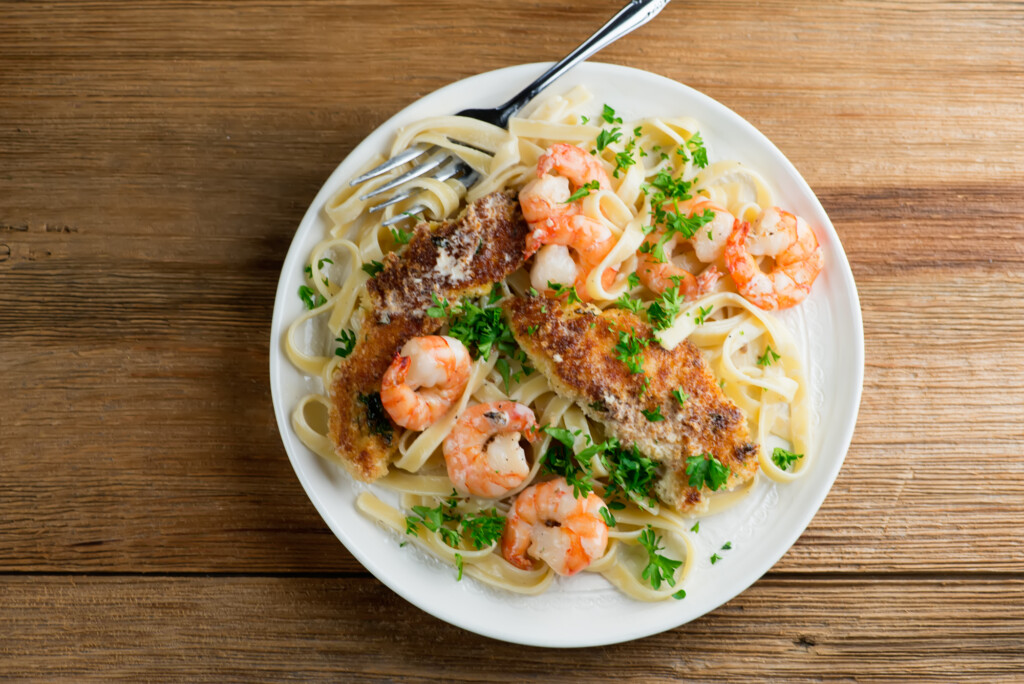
x: 784, y: 459
x: 583, y: 191
x: 348, y: 343
x: 310, y: 298
x: 769, y: 357
x: 706, y: 470
x: 659, y: 568
x: 372, y: 268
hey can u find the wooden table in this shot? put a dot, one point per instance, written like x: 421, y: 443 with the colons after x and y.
x: 155, y: 159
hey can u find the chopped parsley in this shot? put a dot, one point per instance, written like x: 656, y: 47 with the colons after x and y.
x: 440, y: 309
x: 458, y: 564
x: 560, y: 289
x: 559, y: 459
x: 401, y: 236
x: 696, y: 527
x: 348, y: 343
x: 531, y: 329
x: 606, y: 137
x: 654, y: 415
x: 629, y: 472
x: 377, y: 417
x: 715, y: 558
x: 680, y: 395
x: 632, y: 280
x: 679, y: 595
x: 696, y: 147
x: 706, y: 470
x: 625, y: 159
x: 310, y: 298
x: 630, y: 349
x: 609, y: 519
x: 628, y: 303
x: 583, y: 191
x: 784, y: 459
x: 532, y: 292
x: 768, y: 358
x: 584, y: 119
x: 433, y: 519
x: 702, y: 314
x: 608, y: 114
x: 372, y: 268
x: 484, y: 528
x: 663, y: 311
x: 726, y: 546
x: 659, y: 568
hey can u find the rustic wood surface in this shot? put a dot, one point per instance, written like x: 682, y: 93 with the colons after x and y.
x: 155, y: 159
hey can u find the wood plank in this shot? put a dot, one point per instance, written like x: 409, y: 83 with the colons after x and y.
x: 351, y: 628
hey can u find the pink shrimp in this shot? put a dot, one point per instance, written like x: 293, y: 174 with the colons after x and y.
x: 709, y: 240
x: 548, y: 523
x: 424, y: 380
x: 482, y: 451
x: 659, y: 276
x: 798, y: 260
x: 588, y: 240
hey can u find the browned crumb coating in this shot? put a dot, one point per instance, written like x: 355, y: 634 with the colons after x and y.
x: 573, y: 345
x: 460, y: 257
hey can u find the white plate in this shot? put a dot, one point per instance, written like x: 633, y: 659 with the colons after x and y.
x: 584, y: 610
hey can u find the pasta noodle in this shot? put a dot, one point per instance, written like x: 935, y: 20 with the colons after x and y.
x: 734, y: 336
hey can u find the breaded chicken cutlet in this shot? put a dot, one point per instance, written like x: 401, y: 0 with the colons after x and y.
x: 451, y: 259
x: 574, y: 346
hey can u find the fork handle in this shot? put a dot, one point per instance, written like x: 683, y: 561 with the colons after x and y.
x: 634, y: 15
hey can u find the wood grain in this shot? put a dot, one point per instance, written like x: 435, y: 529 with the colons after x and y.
x: 155, y: 158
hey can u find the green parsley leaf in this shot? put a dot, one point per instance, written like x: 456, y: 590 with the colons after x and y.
x: 679, y: 595
x: 609, y: 115
x: 609, y: 519
x: 310, y: 298
x: 705, y: 469
x: 654, y: 415
x: 629, y: 471
x: 504, y: 370
x: 458, y: 564
x: 348, y: 343
x: 715, y: 558
x: 726, y: 546
x: 440, y: 309
x: 638, y: 131
x: 659, y: 568
x: 560, y: 460
x: 784, y: 459
x: 560, y: 290
x: 702, y: 314
x: 769, y: 357
x: 484, y: 528
x: 696, y: 146
x: 433, y: 519
x: 563, y: 435
x: 583, y: 191
x: 630, y: 349
x: 628, y: 303
x: 663, y: 311
x: 632, y: 280
x: 377, y: 418
x: 482, y: 329
x: 680, y: 395
x: 531, y: 330
x: 584, y: 119
x: 401, y: 236
x: 696, y: 527
x: 606, y: 137
x: 373, y: 268
x: 533, y: 292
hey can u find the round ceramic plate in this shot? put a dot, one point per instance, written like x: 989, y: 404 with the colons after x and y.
x: 585, y: 610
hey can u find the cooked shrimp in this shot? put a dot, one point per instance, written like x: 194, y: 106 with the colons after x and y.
x: 553, y: 264
x: 424, y: 380
x: 660, y: 276
x: 482, y: 451
x: 575, y: 164
x: 549, y: 524
x: 798, y: 260
x: 546, y: 197
x: 709, y: 240
x: 588, y: 239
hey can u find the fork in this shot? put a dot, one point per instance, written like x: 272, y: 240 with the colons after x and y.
x: 635, y: 14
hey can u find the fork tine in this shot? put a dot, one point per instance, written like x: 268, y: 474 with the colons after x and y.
x: 444, y: 173
x: 415, y: 209
x: 397, y: 160
x: 415, y: 172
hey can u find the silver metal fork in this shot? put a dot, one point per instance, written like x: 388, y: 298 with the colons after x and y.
x: 445, y: 165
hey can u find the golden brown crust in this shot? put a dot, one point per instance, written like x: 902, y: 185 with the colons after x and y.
x: 573, y: 345
x: 452, y: 259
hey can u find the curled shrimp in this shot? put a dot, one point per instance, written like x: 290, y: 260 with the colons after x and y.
x: 659, y: 276
x: 588, y: 242
x: 482, y: 451
x: 709, y: 240
x: 424, y: 380
x: 548, y: 523
x: 798, y: 259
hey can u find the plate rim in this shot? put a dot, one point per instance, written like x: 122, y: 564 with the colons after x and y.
x: 452, y: 616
